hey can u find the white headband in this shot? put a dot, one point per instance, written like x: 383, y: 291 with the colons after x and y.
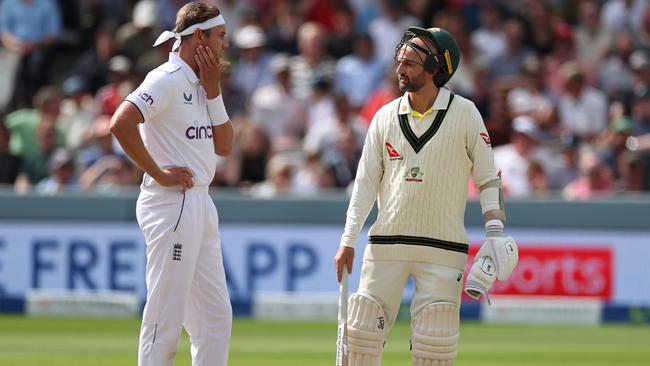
x: 167, y: 35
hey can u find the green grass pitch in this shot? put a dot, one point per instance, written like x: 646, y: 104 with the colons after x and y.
x: 80, y: 342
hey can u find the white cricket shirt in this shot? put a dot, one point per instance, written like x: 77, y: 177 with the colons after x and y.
x: 177, y: 130
x: 418, y: 171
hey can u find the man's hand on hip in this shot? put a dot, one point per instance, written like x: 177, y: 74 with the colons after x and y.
x: 176, y: 176
x: 344, y: 256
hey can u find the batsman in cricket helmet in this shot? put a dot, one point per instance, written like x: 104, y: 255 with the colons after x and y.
x: 442, y: 60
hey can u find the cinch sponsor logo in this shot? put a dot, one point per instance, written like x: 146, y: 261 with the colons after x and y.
x: 146, y: 97
x: 197, y: 132
x: 558, y: 271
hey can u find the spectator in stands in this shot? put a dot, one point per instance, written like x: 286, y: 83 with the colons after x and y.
x: 640, y: 66
x: 488, y: 40
x: 510, y: 62
x: 277, y: 181
x: 61, y: 174
x: 25, y: 126
x: 312, y: 176
x: 282, y: 34
x: 339, y: 42
x: 538, y: 18
x: 582, y: 108
x: 632, y: 172
x: 386, y: 30
x: 136, y: 37
x: 324, y: 134
x: 92, y: 65
x: 531, y: 97
x: 593, y: 39
x: 388, y: 91
x: 641, y: 112
x: 563, y: 51
x: 612, y: 143
x: 29, y: 28
x: 253, y: 155
x: 539, y: 185
x: 109, y: 175
x: 595, y: 179
x: 615, y: 75
x: 110, y: 96
x: 233, y: 10
x: 9, y: 163
x: 311, y: 64
x: 361, y: 73
x: 623, y: 15
x: 567, y: 169
x: 513, y: 159
x: 77, y: 112
x: 274, y: 109
x: 253, y: 68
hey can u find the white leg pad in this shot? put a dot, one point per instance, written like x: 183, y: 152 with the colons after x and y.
x: 365, y: 331
x: 435, y: 334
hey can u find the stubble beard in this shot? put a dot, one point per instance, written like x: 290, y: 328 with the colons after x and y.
x: 411, y: 85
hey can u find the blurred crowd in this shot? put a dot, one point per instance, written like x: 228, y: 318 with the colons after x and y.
x: 563, y: 86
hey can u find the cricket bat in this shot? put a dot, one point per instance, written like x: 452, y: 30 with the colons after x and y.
x: 342, y: 338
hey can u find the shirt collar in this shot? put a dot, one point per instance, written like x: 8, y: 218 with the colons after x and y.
x: 187, y: 70
x: 441, y: 102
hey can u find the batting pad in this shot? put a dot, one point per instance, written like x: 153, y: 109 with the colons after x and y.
x: 365, y: 331
x: 434, y: 331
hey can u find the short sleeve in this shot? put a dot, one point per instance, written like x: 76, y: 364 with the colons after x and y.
x: 152, y: 96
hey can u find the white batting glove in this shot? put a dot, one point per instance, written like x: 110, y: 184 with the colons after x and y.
x: 481, y: 277
x: 502, y: 249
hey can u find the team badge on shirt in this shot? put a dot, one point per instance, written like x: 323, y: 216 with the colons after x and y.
x: 392, y: 153
x: 414, y: 175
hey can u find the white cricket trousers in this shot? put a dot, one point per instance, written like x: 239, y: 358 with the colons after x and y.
x: 186, y: 282
x: 385, y: 280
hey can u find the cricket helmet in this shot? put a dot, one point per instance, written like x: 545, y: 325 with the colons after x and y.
x: 444, y: 63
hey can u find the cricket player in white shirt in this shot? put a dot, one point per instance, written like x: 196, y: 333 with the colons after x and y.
x: 418, y: 156
x: 185, y: 125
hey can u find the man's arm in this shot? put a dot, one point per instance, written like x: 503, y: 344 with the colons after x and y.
x: 364, y: 193
x: 222, y: 136
x: 499, y: 254
x: 124, y: 126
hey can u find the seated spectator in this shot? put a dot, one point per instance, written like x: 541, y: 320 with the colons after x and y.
x: 77, y: 112
x: 582, y: 109
x: 596, y: 179
x: 274, y: 109
x: 632, y: 173
x: 109, y: 175
x: 513, y: 159
x: 253, y: 67
x: 9, y: 163
x: 61, y: 174
x: 277, y: 181
x: 360, y: 73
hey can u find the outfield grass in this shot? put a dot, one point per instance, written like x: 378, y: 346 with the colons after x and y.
x: 73, y: 342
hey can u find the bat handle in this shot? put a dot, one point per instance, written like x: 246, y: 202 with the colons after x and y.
x: 343, y: 294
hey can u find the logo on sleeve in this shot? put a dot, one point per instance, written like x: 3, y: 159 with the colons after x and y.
x: 486, y: 138
x: 392, y: 153
x: 146, y: 97
x: 197, y: 132
x: 188, y: 98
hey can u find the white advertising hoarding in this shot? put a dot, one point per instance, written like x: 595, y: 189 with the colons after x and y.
x: 610, y: 265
